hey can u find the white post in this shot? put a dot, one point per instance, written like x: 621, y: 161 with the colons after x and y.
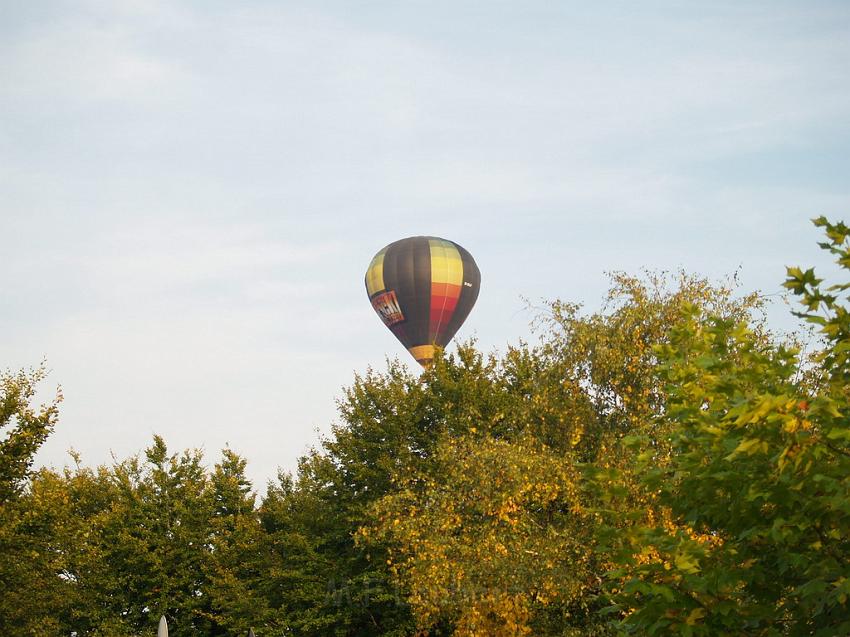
x: 162, y: 631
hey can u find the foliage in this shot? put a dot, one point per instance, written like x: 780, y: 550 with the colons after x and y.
x: 492, y: 530
x: 513, y: 433
x: 110, y: 550
x: 24, y: 566
x: 757, y: 490
x: 26, y: 427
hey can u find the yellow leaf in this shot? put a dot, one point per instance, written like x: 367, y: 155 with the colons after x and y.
x: 694, y: 616
x: 687, y: 564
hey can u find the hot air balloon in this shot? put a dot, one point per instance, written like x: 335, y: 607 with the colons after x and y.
x: 423, y: 288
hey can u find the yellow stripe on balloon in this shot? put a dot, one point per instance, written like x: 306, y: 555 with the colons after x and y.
x: 446, y: 263
x: 375, y: 274
x: 423, y: 354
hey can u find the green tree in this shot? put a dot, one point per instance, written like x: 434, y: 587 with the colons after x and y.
x: 757, y: 495
x: 126, y: 543
x: 320, y: 582
x: 239, y: 565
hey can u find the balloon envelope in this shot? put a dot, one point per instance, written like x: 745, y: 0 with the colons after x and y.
x: 423, y: 288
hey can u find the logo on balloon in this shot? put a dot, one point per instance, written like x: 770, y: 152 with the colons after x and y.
x: 386, y: 305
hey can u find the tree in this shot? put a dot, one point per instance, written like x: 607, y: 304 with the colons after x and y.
x: 25, y: 566
x: 107, y: 551
x: 484, y: 514
x: 756, y: 494
x: 491, y: 532
x: 239, y: 564
x: 319, y: 582
x: 26, y: 427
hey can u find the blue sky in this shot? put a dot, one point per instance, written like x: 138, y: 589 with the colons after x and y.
x: 191, y: 191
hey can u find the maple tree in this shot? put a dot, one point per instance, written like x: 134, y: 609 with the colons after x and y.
x: 756, y: 493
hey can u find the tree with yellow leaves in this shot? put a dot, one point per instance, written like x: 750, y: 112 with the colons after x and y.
x: 492, y: 531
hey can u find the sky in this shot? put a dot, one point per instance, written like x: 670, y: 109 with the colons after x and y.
x: 191, y: 191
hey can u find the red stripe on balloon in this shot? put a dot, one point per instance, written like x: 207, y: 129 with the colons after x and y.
x: 444, y: 298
